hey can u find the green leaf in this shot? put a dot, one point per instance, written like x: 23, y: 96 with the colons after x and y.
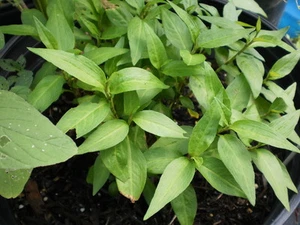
x: 215, y: 172
x: 237, y: 160
x: 28, y: 139
x: 176, y: 30
x: 45, y: 70
x: 137, y: 39
x: 191, y: 59
x: 218, y: 37
x: 84, y: 118
x: 133, y: 78
x: 119, y: 15
x: 136, y: 169
x: 263, y: 133
x: 138, y: 4
x: 78, y: 66
x: 158, y: 124
x: 100, y: 174
x: 28, y: 15
x: 284, y: 66
x: 156, y: 50
x: 175, y: 179
x: 60, y: 28
x: 45, y: 35
x: 188, y: 199
x: 93, y: 30
x: 2, y: 40
x: 46, y: 92
x: 105, y: 136
x: 16, y: 29
x: 268, y: 164
x: 253, y: 70
x: 177, y: 68
x: 102, y: 54
x: 221, y: 22
x: 250, y: 5
x: 287, y: 178
x: 131, y: 102
x: 205, y: 131
x: 12, y: 182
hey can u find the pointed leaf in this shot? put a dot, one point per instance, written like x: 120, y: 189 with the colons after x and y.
x: 30, y: 140
x: 133, y: 78
x: 158, y: 124
x: 45, y: 35
x: 100, y: 175
x: 263, y: 133
x: 78, y: 66
x: 192, y: 59
x: 237, y: 160
x: 101, y: 55
x: 46, y: 92
x: 84, y: 117
x: 105, y: 136
x: 175, y: 179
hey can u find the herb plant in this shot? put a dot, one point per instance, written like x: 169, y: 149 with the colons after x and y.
x: 132, y: 66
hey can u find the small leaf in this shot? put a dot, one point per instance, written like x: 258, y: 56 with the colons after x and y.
x: 136, y: 168
x: 176, y: 30
x: 175, y: 179
x: 284, y: 66
x: 188, y: 199
x: 133, y: 78
x: 76, y: 65
x: 177, y: 68
x: 137, y: 39
x: 84, y: 118
x: 268, y: 164
x: 105, y: 136
x: 131, y: 103
x: 237, y: 160
x: 263, y: 133
x: 102, y: 54
x: 12, y: 182
x: 45, y: 35
x: 31, y: 139
x: 218, y: 176
x: 218, y: 37
x: 46, y: 92
x: 191, y: 59
x: 100, y: 175
x: 158, y: 124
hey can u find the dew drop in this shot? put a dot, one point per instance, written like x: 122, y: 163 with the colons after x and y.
x: 51, y: 135
x: 45, y: 144
x: 32, y: 146
x: 43, y: 150
x: 27, y: 129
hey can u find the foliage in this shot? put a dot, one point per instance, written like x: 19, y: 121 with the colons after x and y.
x: 130, y: 65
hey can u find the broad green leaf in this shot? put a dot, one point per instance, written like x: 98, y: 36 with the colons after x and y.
x: 84, y: 118
x: 268, y: 164
x: 278, y: 106
x: 138, y: 4
x: 237, y: 160
x: 205, y: 131
x: 45, y: 35
x: 178, y: 68
x: 250, y: 5
x: 175, y: 179
x: 221, y: 22
x: 136, y: 168
x: 46, y: 92
x: 239, y: 93
x: 138, y: 136
x: 12, y: 182
x: 132, y: 79
x: 63, y: 33
x: 185, y: 206
x: 159, y: 158
x: 263, y: 133
x: 191, y: 59
x: 45, y: 70
x: 190, y: 22
x: 137, y: 39
x: 102, y: 54
x: 218, y: 37
x: 119, y: 15
x: 176, y: 30
x: 284, y: 65
x: 253, y: 70
x: 215, y: 172
x: 28, y: 15
x: 158, y: 124
x: 16, y: 29
x: 100, y: 174
x: 131, y: 102
x: 105, y: 136
x: 78, y: 66
x: 156, y: 50
x: 28, y: 139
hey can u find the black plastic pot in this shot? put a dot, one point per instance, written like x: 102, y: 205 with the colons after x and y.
x: 279, y: 215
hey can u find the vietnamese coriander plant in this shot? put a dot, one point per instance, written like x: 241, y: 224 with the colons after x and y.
x: 135, y: 69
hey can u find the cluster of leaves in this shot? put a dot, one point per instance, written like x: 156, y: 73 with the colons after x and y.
x: 130, y: 64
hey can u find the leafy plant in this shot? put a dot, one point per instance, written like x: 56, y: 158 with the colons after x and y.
x: 132, y: 66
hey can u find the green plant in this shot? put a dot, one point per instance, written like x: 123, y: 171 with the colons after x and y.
x: 130, y: 65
